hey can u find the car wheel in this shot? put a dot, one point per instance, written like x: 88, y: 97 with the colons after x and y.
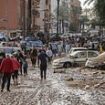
x: 67, y: 65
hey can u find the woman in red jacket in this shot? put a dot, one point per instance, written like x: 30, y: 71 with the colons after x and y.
x: 7, y: 69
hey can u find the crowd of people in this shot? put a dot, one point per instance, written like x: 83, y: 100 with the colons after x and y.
x: 17, y: 64
x: 10, y: 65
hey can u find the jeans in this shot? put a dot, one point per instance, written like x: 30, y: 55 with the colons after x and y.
x: 6, y: 78
x: 15, y: 75
x: 43, y: 69
x: 25, y: 70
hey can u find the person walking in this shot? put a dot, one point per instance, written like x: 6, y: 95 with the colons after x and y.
x: 25, y: 66
x: 16, y: 67
x: 33, y: 56
x: 49, y: 54
x: 42, y: 63
x: 2, y: 56
x: 7, y: 69
x: 20, y: 57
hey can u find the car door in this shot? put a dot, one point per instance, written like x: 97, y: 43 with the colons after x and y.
x: 81, y: 57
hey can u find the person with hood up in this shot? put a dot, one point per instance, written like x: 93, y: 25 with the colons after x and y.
x: 16, y: 66
x: 7, y: 69
x: 33, y: 56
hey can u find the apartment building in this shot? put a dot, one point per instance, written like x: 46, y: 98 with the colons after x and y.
x: 41, y: 15
x: 25, y: 16
x: 9, y: 15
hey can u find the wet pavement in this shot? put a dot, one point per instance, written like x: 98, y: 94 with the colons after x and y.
x: 71, y: 87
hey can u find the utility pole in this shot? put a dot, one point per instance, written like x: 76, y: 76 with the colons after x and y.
x: 58, y: 1
x: 29, y: 16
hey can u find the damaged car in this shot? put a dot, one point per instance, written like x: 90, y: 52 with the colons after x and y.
x: 77, y: 57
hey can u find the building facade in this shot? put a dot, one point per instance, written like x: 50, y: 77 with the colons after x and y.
x: 27, y: 16
x: 9, y: 15
x: 41, y: 15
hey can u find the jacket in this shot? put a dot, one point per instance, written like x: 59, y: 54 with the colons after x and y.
x: 16, y: 64
x: 6, y: 66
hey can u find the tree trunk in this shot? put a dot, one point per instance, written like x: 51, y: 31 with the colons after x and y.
x: 63, y: 28
x: 29, y: 17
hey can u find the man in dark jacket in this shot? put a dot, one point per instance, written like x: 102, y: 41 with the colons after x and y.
x: 43, y: 64
x: 33, y: 56
x: 2, y: 56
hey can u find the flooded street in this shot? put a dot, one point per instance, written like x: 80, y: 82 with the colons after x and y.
x: 73, y: 87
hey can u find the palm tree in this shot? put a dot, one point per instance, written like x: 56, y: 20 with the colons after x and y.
x: 89, y: 1
x: 99, y: 8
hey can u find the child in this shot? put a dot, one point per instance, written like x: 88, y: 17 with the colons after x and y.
x: 25, y: 66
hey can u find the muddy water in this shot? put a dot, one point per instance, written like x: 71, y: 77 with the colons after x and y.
x: 53, y: 91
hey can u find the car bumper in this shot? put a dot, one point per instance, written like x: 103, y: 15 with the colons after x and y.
x: 56, y: 65
x: 90, y: 64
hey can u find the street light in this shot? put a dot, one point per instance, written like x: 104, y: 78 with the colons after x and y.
x: 58, y: 1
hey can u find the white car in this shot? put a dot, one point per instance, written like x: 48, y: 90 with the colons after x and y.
x: 73, y: 49
x: 77, y: 57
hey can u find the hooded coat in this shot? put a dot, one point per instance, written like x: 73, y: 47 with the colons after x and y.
x: 16, y: 64
x: 6, y: 66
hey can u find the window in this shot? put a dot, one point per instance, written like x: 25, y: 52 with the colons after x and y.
x: 82, y: 55
x: 92, y: 54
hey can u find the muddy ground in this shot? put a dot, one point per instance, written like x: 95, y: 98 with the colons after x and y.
x: 74, y: 86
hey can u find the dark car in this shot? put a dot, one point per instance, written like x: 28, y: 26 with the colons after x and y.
x: 37, y: 44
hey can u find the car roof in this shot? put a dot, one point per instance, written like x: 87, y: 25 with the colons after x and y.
x: 78, y: 48
x: 73, y: 53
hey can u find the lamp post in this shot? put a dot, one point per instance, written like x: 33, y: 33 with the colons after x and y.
x: 29, y: 17
x: 58, y: 1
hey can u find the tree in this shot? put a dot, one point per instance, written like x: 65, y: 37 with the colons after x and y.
x: 99, y: 7
x: 75, y: 12
x: 29, y: 17
x: 64, y: 13
x: 100, y: 10
x: 83, y: 20
x: 89, y: 1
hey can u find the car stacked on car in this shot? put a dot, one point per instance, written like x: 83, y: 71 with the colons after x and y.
x: 75, y: 57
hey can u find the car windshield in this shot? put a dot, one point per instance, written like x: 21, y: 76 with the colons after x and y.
x: 8, y: 50
x: 35, y: 44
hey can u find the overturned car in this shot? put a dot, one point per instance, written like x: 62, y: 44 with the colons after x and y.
x: 97, y: 62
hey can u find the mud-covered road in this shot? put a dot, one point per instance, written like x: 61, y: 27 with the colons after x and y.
x: 56, y: 90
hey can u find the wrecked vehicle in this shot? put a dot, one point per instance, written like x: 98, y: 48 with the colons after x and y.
x: 77, y: 57
x: 97, y: 62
